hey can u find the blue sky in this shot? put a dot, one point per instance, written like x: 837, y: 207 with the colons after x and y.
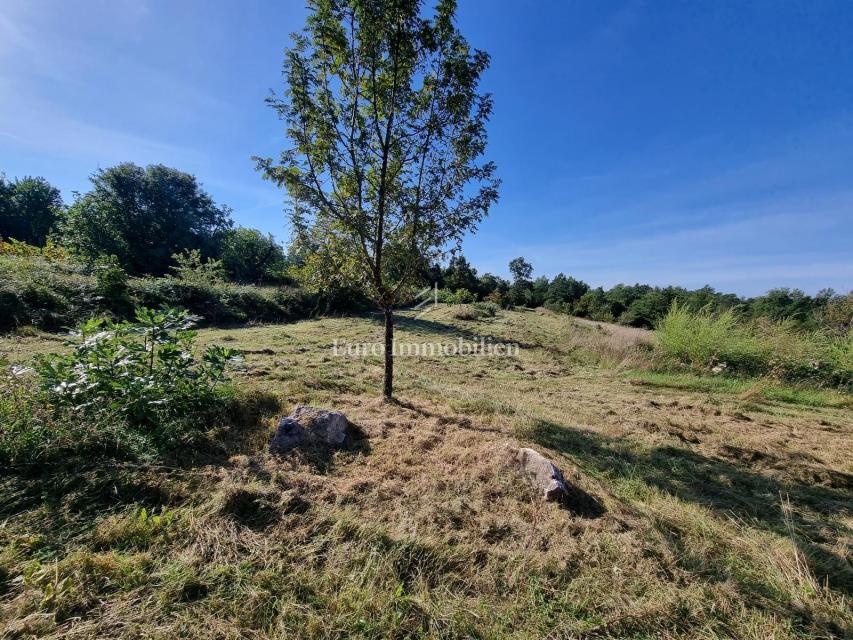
x: 662, y: 142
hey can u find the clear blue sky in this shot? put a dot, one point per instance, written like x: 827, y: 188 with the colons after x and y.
x: 662, y: 142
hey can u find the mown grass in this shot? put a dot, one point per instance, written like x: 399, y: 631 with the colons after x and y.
x: 724, y: 518
x: 766, y: 389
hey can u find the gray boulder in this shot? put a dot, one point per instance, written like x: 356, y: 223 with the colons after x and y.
x: 541, y: 474
x: 310, y: 425
x: 544, y: 477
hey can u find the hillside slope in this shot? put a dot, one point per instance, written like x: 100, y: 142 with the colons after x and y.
x: 728, y: 514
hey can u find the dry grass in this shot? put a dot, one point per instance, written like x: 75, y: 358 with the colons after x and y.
x: 728, y: 515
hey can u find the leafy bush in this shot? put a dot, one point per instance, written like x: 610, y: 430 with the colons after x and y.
x: 475, y: 311
x: 223, y: 302
x: 251, y: 257
x: 191, y: 268
x: 487, y: 309
x: 50, y: 294
x: 723, y: 343
x: 49, y: 251
x: 54, y: 294
x: 134, y: 389
x: 111, y: 286
x: 459, y: 296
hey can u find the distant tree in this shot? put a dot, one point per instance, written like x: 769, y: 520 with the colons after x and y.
x: 460, y: 275
x: 565, y: 290
x: 433, y: 274
x: 29, y: 207
x: 388, y: 129
x: 595, y: 305
x: 539, y: 291
x: 836, y: 315
x: 488, y: 284
x: 520, y: 269
x: 783, y: 303
x: 143, y: 216
x: 646, y: 310
x: 251, y: 256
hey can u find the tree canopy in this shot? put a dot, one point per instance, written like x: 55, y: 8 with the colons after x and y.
x: 520, y: 269
x: 248, y: 255
x: 29, y: 207
x: 143, y: 216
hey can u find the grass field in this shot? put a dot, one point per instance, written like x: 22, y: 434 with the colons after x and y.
x: 729, y: 502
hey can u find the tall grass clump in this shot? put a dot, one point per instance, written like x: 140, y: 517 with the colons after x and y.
x: 131, y: 389
x: 721, y: 342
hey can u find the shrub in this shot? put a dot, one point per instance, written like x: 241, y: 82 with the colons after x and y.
x: 134, y: 389
x: 487, y: 309
x: 111, y: 286
x: 49, y: 251
x: 459, y: 296
x: 722, y: 343
x: 475, y: 311
x: 47, y: 293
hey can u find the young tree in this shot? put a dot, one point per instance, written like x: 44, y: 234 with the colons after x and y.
x: 387, y: 129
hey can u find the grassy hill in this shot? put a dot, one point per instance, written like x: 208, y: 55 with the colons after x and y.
x: 728, y: 501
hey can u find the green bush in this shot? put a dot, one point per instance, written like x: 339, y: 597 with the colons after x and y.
x: 111, y: 286
x: 475, y: 311
x: 459, y: 296
x: 487, y: 309
x: 723, y: 343
x: 47, y: 293
x: 134, y: 389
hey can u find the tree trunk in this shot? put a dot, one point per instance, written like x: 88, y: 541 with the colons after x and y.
x: 388, y: 388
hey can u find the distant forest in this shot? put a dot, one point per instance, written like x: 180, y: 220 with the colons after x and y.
x: 157, y: 221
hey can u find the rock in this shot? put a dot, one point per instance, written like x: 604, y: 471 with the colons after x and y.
x: 288, y: 435
x: 541, y: 473
x: 544, y: 476
x: 310, y: 425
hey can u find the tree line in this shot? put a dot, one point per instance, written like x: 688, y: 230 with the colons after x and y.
x: 637, y: 305
x: 144, y: 216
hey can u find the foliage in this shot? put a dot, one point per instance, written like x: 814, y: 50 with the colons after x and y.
x: 836, y: 316
x: 55, y: 294
x: 29, y: 207
x: 139, y: 383
x: 487, y: 309
x: 520, y: 269
x: 143, y: 216
x: 50, y: 250
x: 721, y: 343
x: 112, y: 286
x: 191, y: 268
x: 249, y: 256
x: 388, y: 129
x: 460, y: 296
x: 50, y: 294
x: 460, y: 275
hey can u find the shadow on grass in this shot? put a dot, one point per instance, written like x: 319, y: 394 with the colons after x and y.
x: 423, y: 325
x: 719, y: 485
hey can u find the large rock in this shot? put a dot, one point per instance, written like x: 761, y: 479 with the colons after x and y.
x: 544, y: 477
x: 310, y: 425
